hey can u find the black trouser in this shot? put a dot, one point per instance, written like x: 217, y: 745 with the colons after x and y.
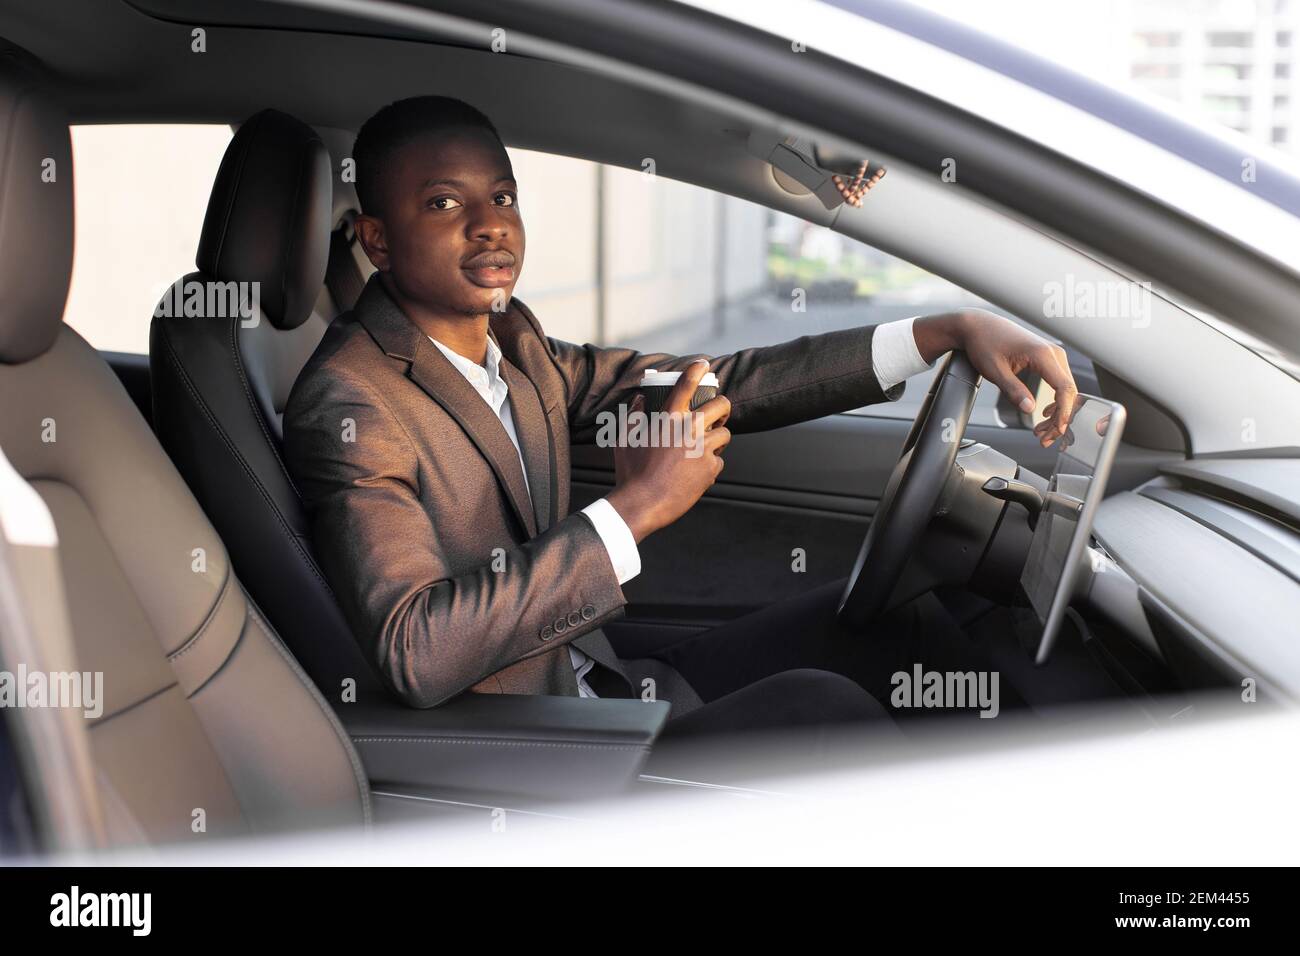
x: 792, y: 664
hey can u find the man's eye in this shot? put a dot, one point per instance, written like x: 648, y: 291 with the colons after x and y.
x: 506, y: 199
x: 443, y: 202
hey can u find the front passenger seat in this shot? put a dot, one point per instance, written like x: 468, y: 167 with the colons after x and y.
x: 208, y: 726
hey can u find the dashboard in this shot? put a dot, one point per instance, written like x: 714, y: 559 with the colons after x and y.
x: 1201, y: 566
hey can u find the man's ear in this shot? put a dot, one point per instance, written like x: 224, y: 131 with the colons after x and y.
x: 373, y: 240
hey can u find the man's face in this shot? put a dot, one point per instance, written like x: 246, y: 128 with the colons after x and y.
x: 451, y: 237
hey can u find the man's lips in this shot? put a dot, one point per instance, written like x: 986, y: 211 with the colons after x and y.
x: 491, y: 270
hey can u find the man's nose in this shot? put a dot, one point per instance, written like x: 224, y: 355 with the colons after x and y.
x: 487, y: 224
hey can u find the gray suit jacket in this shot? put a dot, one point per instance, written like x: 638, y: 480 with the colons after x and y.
x: 419, y: 512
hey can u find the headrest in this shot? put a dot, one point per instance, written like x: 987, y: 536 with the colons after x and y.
x: 35, y: 213
x: 269, y: 217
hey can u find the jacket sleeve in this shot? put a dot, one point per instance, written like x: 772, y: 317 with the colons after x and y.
x: 431, y: 633
x: 770, y: 387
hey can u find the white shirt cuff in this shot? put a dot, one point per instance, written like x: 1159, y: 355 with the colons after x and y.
x: 582, y: 665
x: 618, y: 539
x: 894, y: 355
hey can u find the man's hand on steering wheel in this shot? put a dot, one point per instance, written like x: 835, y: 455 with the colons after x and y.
x: 1000, y: 350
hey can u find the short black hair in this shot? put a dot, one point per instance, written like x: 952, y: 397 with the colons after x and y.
x: 397, y: 124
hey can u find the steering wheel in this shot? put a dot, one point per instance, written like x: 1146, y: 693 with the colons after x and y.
x: 912, y: 491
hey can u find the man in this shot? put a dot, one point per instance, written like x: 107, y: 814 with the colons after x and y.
x: 430, y: 433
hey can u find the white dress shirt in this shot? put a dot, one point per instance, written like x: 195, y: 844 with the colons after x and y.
x: 894, y: 357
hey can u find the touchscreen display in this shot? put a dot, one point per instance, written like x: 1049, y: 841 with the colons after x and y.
x: 1065, y: 523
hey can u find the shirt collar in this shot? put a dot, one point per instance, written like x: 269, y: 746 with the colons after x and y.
x: 486, y: 380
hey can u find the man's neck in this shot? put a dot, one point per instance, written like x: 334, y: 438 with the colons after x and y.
x: 464, y: 334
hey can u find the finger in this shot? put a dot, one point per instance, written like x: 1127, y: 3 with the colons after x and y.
x: 1046, y: 431
x: 679, y: 399
x: 1011, y: 387
x: 714, y: 412
x: 1042, y: 361
x: 1050, y: 363
x: 716, y: 439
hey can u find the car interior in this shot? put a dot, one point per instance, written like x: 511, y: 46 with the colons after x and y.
x: 175, y: 553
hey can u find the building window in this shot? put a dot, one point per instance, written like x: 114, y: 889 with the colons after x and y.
x: 1227, y: 71
x: 1227, y: 104
x: 1229, y: 39
x: 1160, y: 38
x: 1157, y: 71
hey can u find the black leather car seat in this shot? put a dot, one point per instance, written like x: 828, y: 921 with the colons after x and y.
x: 220, y: 381
x: 208, y: 725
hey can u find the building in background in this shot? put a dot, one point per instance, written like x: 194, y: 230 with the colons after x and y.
x: 1227, y: 62
x: 1233, y: 61
x: 617, y: 255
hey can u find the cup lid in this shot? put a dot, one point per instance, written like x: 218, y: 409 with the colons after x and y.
x: 654, y: 377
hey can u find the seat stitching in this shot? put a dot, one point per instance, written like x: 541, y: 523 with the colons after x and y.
x: 239, y: 458
x: 105, y: 718
x: 229, y: 212
x: 292, y: 235
x: 257, y: 412
x: 358, y: 771
x: 193, y: 640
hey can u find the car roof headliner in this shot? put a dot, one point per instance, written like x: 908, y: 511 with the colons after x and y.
x: 112, y: 63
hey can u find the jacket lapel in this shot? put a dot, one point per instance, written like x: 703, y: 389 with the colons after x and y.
x: 399, y: 337
x: 535, y: 440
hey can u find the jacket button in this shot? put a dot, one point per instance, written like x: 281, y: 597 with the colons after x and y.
x: 547, y: 633
x: 561, y: 625
x: 574, y: 619
x: 588, y: 612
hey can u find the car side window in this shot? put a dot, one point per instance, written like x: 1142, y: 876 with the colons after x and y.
x: 628, y: 258
x: 140, y: 192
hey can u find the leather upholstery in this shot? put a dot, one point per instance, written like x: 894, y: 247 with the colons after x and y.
x: 206, y: 716
x: 518, y: 744
x: 220, y: 384
x: 269, y: 217
x: 35, y: 214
